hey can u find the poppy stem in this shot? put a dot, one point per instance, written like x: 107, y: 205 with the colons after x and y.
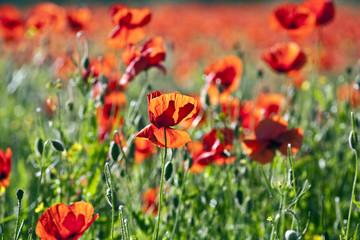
x: 17, y: 219
x: 157, y: 226
x: 107, y: 171
x: 292, y: 177
x: 266, y: 180
x: 38, y: 186
x: 354, y: 139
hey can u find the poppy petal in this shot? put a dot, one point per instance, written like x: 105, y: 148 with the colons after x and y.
x: 293, y: 137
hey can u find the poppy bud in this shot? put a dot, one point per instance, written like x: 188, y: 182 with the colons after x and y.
x: 39, y: 146
x: 290, y: 178
x: 349, y: 70
x: 260, y: 73
x: 185, y: 155
x: 19, y: 194
x: 57, y: 145
x: 114, y: 151
x: 109, y: 198
x: 85, y: 62
x: 168, y: 170
x: 291, y: 235
x: 70, y: 105
x: 190, y: 162
x: 239, y: 197
x: 353, y: 140
x: 131, y: 152
x: 207, y: 99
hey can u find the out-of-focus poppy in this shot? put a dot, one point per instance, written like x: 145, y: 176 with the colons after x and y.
x: 78, y: 18
x: 323, y: 9
x: 151, y: 54
x: 215, y: 148
x: 150, y: 201
x: 97, y: 66
x: 284, y: 57
x: 143, y: 149
x: 296, y: 20
x: 272, y: 134
x: 129, y: 25
x: 107, y: 115
x: 65, y: 222
x: 225, y: 73
x: 349, y: 92
x: 5, y: 167
x: 166, y: 111
x: 11, y: 23
x: 51, y: 105
x: 47, y: 16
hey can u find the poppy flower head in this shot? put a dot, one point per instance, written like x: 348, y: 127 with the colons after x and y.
x: 5, y: 167
x: 323, y: 9
x: 151, y: 54
x: 170, y: 109
x: 285, y: 57
x: 271, y: 134
x: 11, y: 23
x: 226, y: 72
x: 129, y: 25
x: 166, y: 111
x: 296, y: 20
x: 78, y: 18
x: 65, y: 222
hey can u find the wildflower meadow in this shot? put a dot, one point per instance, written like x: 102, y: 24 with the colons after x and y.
x: 180, y: 120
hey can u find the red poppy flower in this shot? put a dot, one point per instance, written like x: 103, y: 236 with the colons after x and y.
x: 150, y: 201
x: 214, y: 148
x: 226, y: 72
x: 129, y: 23
x: 323, y: 9
x: 5, y: 167
x: 47, y: 16
x: 197, y: 119
x: 296, y: 20
x: 168, y: 110
x: 349, y: 92
x: 78, y: 18
x: 285, y: 57
x: 143, y: 149
x: 97, y: 67
x: 272, y: 134
x: 11, y: 23
x: 61, y: 222
x: 107, y: 115
x: 151, y: 54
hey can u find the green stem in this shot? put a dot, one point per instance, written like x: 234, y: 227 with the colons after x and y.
x: 266, y: 180
x: 291, y: 161
x: 17, y: 219
x: 157, y: 226
x: 174, y: 230
x: 112, y: 200
x: 38, y: 187
x: 355, y: 177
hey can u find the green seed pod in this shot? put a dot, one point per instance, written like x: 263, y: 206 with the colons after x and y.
x: 168, y: 170
x: 39, y: 146
x: 19, y: 194
x: 57, y: 145
x: 239, y: 197
x: 353, y: 140
x: 291, y: 235
x: 114, y: 151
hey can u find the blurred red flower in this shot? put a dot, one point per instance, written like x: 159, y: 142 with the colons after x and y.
x: 323, y: 9
x: 272, y: 134
x: 5, y: 167
x: 151, y: 54
x: 11, y: 23
x: 284, y: 57
x: 143, y: 149
x: 225, y: 73
x: 78, y: 18
x: 296, y: 20
x: 168, y: 110
x: 48, y: 17
x: 150, y: 201
x: 129, y: 25
x: 61, y: 222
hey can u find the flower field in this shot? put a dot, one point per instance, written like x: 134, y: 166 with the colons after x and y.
x: 180, y: 121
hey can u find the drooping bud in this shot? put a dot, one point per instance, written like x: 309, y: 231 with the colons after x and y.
x: 114, y: 151
x: 291, y: 235
x: 39, y: 146
x: 353, y: 140
x: 57, y: 145
x: 168, y: 170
